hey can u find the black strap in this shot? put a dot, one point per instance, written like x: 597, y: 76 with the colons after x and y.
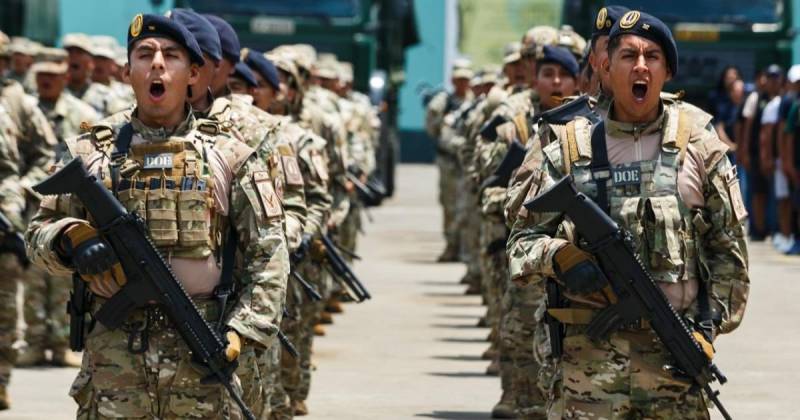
x: 225, y: 287
x: 121, y: 147
x: 601, y: 170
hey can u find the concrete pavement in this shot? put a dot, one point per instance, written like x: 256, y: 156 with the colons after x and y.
x: 413, y: 351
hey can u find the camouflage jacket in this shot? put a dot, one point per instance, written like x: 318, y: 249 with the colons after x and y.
x: 262, y: 266
x: 67, y: 115
x: 34, y: 137
x: 12, y: 198
x: 102, y: 98
x: 713, y: 233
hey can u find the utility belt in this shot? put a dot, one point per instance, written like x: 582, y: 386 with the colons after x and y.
x: 152, y: 319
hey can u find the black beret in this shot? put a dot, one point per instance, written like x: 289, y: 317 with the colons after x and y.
x: 156, y: 26
x: 647, y: 26
x: 204, y: 32
x: 559, y: 55
x: 227, y: 37
x: 606, y: 18
x: 243, y: 72
x: 263, y: 66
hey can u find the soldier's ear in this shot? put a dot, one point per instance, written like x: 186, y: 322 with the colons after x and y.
x: 194, y: 73
x: 126, y: 71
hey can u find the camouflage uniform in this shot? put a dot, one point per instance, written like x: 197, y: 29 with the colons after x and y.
x: 447, y: 162
x: 681, y: 244
x: 263, y: 132
x: 35, y: 140
x: 102, y: 98
x: 12, y: 206
x: 511, y: 308
x: 162, y: 382
x: 46, y: 296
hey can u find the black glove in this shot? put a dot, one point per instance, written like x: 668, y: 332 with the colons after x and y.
x: 89, y: 254
x: 577, y: 271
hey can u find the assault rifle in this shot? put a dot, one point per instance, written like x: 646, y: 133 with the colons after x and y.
x: 511, y: 161
x: 150, y: 278
x: 340, y: 270
x: 638, y: 296
x: 12, y: 242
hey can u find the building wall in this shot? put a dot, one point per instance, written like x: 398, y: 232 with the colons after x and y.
x: 105, y: 17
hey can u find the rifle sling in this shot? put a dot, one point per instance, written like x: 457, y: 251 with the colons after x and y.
x: 121, y: 147
x: 601, y: 170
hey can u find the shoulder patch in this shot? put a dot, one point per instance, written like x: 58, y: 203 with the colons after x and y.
x: 235, y: 152
x: 270, y: 202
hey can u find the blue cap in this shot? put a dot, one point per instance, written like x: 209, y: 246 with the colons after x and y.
x: 202, y: 29
x: 227, y: 37
x: 263, y: 66
x: 559, y: 55
x: 155, y: 26
x: 647, y: 26
x: 606, y: 18
x: 243, y: 72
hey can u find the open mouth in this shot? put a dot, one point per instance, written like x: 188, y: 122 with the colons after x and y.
x: 639, y: 89
x: 157, y: 89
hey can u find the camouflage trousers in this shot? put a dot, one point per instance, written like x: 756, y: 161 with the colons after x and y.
x: 468, y: 220
x: 45, y: 311
x: 8, y: 315
x: 494, y: 267
x: 517, y: 329
x: 449, y: 175
x: 620, y: 378
x: 255, y: 387
x: 347, y: 234
x: 160, y: 382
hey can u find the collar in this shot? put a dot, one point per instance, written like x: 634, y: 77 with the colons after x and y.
x: 636, y: 130
x: 162, y: 134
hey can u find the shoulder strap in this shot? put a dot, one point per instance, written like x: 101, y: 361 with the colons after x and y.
x: 569, y: 149
x: 122, y: 145
x: 601, y: 170
x: 521, y: 121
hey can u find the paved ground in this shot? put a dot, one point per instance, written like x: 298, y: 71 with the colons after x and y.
x: 412, y: 351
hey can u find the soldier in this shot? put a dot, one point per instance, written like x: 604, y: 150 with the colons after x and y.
x: 81, y: 66
x: 23, y: 53
x: 161, y: 382
x: 12, y: 207
x: 267, y: 81
x: 438, y: 107
x: 688, y: 216
x: 46, y: 296
x: 106, y: 68
x: 242, y: 81
x: 606, y: 18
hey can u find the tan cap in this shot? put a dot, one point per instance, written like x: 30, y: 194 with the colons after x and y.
x: 326, y: 67
x: 121, y: 56
x: 512, y: 52
x: 568, y: 38
x: 51, y: 67
x: 462, y: 69
x: 284, y: 60
x: 345, y: 72
x: 490, y: 74
x: 20, y: 45
x: 4, y: 39
x: 51, y: 54
x: 77, y: 40
x: 536, y: 38
x: 303, y: 55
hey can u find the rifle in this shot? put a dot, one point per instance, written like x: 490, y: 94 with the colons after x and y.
x: 80, y: 300
x: 369, y: 193
x: 638, y: 296
x: 340, y: 270
x: 511, y: 161
x: 12, y: 242
x: 489, y: 130
x: 150, y: 278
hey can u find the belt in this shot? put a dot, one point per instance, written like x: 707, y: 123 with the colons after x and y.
x: 584, y: 316
x: 156, y: 319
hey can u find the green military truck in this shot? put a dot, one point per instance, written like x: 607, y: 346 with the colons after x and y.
x: 371, y: 34
x: 749, y: 34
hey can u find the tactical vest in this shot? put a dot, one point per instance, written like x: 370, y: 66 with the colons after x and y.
x: 642, y: 197
x: 170, y: 185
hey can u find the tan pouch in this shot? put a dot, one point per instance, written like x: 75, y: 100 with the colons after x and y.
x: 162, y: 218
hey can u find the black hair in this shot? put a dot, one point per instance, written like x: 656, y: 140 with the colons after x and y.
x: 721, y: 81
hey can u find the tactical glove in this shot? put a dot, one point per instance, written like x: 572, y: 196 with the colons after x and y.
x: 93, y: 258
x: 577, y: 271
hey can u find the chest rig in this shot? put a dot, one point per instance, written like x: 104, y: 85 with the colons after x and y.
x: 170, y: 185
x: 643, y: 198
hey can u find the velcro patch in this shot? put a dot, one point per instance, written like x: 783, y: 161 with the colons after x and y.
x: 270, y: 202
x: 158, y: 161
x: 321, y: 168
x: 626, y: 175
x: 292, y: 171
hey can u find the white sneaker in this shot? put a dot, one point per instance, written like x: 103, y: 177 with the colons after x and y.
x: 789, y: 245
x: 779, y: 241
